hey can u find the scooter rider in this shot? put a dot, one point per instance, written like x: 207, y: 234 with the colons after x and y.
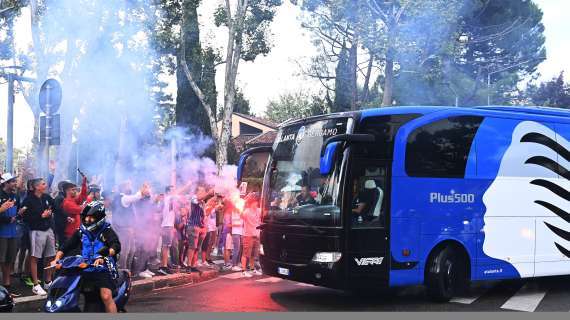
x: 99, y: 245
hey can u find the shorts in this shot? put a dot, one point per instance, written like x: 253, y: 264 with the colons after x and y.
x: 98, y: 280
x: 167, y: 234
x: 229, y: 243
x: 8, y: 250
x: 209, y: 240
x: 196, y: 237
x: 42, y: 243
x: 250, y: 246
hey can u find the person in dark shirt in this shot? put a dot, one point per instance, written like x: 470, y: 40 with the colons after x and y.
x: 38, y: 217
x: 196, y: 229
x: 98, y: 244
x: 362, y: 204
x: 305, y: 197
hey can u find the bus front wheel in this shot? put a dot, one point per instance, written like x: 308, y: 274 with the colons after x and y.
x: 445, y: 275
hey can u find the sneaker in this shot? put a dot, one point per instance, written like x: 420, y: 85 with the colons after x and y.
x: 227, y: 267
x: 257, y: 272
x: 246, y: 274
x: 150, y: 272
x: 199, y: 264
x: 47, y: 285
x: 27, y: 281
x: 163, y: 271
x: 38, y: 290
x: 145, y: 275
x: 236, y: 268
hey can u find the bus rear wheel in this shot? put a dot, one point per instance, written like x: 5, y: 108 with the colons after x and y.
x: 446, y: 275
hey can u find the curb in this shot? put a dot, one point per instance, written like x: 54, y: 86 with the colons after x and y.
x: 35, y: 303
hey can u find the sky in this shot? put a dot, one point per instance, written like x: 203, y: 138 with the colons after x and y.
x: 278, y: 72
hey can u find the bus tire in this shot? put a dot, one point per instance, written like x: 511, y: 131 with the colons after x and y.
x: 445, y: 275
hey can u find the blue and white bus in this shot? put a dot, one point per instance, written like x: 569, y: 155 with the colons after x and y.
x: 400, y: 196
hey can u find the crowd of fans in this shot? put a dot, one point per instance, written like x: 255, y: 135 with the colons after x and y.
x: 178, y: 230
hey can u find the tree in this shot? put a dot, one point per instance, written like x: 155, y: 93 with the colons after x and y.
x: 426, y: 51
x: 553, y: 93
x: 340, y: 28
x: 247, y: 24
x: 241, y: 104
x: 295, y: 105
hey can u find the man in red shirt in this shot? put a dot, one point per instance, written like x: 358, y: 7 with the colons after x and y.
x: 73, y: 205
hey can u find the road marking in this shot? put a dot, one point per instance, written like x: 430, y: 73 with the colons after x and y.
x: 526, y: 299
x: 471, y: 297
x: 465, y: 300
x: 270, y: 280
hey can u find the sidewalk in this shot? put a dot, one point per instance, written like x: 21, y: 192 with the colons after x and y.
x: 32, y: 303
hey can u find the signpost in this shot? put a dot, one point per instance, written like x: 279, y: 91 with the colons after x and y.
x: 50, y: 100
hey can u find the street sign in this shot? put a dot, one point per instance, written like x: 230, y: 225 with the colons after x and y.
x: 50, y: 96
x: 54, y: 137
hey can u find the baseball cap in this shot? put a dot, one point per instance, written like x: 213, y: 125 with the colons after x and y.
x: 7, y: 176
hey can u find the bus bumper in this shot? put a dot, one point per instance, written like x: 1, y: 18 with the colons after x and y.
x: 320, y: 274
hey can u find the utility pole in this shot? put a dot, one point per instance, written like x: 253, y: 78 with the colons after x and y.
x: 11, y: 77
x: 10, y: 126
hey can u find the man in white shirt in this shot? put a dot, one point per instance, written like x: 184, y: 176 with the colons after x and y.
x: 167, y: 228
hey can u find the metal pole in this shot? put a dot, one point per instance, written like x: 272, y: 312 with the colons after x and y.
x: 10, y: 126
x: 488, y: 89
x: 48, y: 127
x: 173, y: 162
x: 77, y: 161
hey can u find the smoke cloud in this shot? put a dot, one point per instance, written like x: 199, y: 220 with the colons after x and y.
x: 101, y: 51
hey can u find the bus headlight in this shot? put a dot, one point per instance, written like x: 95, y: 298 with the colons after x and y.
x: 261, y: 252
x: 327, y: 257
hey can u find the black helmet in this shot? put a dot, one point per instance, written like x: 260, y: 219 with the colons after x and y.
x: 6, y: 300
x: 95, y: 209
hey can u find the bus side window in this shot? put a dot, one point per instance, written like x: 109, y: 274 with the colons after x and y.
x: 441, y: 149
x: 368, y: 198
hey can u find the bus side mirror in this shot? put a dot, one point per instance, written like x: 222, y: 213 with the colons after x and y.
x: 328, y: 157
x: 330, y: 146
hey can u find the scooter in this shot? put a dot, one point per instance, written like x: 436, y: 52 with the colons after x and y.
x: 65, y: 291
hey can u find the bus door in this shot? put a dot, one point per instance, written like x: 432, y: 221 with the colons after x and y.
x: 367, y: 246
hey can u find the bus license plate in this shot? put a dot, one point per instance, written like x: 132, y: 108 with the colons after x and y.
x: 283, y: 271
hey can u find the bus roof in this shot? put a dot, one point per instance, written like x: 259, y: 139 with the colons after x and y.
x: 517, y: 111
x: 544, y: 111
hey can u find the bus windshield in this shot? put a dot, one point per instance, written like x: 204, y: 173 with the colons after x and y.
x: 297, y: 194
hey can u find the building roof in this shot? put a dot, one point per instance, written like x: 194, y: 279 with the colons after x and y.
x: 264, y: 122
x: 264, y: 138
x: 240, y: 141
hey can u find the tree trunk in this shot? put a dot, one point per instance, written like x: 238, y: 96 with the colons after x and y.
x: 388, y: 82
x: 353, y: 65
x: 366, y: 92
